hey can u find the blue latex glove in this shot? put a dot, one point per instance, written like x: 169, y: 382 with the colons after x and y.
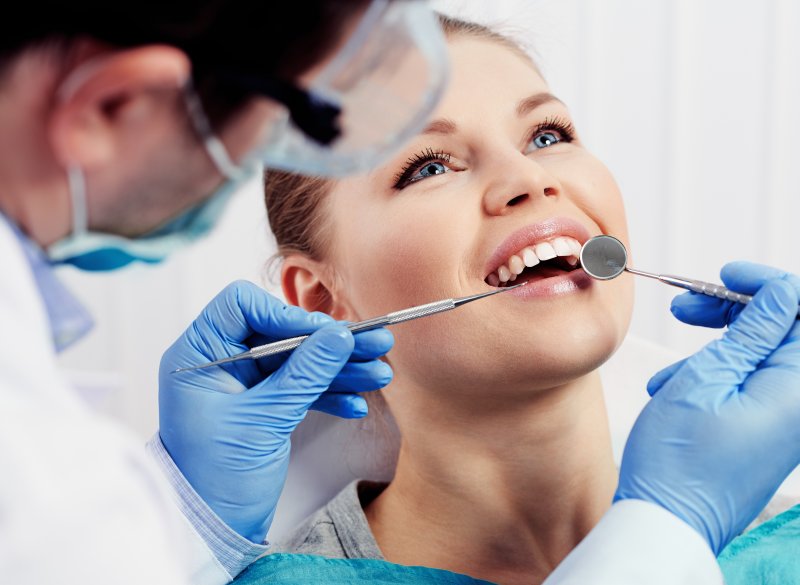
x: 227, y: 428
x: 722, y: 431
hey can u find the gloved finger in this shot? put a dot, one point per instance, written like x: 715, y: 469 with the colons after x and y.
x: 304, y: 376
x: 759, y: 329
x: 362, y: 377
x: 372, y: 344
x: 242, y: 309
x: 740, y: 276
x: 661, y: 377
x: 341, y: 405
x: 698, y: 309
x: 748, y: 277
x: 368, y: 346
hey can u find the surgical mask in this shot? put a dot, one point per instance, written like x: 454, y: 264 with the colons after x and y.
x: 98, y: 251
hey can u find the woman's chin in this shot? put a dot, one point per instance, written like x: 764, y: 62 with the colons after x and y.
x: 510, y: 361
x: 544, y: 370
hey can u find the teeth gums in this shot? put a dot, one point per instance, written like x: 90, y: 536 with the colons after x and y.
x: 563, y: 246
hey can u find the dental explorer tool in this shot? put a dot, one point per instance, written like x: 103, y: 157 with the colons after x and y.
x: 604, y: 257
x: 390, y: 319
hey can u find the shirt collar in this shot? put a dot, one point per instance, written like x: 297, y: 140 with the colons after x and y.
x: 69, y: 319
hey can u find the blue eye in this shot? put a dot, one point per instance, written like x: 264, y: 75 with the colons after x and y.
x: 421, y: 166
x: 429, y: 170
x: 546, y: 139
x: 552, y: 131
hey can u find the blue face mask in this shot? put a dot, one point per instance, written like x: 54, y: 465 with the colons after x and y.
x: 97, y: 251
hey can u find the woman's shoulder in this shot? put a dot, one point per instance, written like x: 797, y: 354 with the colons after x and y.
x: 338, y: 530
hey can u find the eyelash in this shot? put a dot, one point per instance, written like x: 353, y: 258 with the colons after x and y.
x: 560, y: 125
x: 402, y: 179
x: 415, y: 162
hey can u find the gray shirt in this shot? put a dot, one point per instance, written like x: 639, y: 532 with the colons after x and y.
x: 340, y: 529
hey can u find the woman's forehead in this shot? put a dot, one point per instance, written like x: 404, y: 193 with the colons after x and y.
x: 485, y: 71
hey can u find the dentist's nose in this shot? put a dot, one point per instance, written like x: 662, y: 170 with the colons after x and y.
x: 514, y: 180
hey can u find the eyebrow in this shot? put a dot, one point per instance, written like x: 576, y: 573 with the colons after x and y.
x: 445, y: 126
x: 529, y: 104
x: 440, y: 126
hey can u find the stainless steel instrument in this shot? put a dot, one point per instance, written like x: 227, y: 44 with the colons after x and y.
x: 390, y: 319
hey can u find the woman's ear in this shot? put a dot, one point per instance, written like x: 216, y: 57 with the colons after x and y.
x: 308, y: 284
x: 111, y: 94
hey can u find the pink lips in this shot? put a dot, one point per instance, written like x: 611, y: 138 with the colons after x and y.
x: 533, y: 234
x: 567, y: 283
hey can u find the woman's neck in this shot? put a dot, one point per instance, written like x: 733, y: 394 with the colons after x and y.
x: 504, y: 496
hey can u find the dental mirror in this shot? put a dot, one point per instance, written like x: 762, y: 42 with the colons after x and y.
x: 603, y: 257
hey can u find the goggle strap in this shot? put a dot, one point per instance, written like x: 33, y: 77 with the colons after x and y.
x: 314, y: 114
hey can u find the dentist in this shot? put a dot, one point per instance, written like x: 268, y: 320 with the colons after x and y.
x: 125, y: 130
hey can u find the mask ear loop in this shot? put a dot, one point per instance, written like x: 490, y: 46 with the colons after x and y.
x: 77, y: 193
x: 76, y: 181
x: 214, y: 147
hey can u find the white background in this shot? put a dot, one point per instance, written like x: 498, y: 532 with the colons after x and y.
x: 693, y: 104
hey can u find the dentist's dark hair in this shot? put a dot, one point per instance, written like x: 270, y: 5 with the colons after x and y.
x: 221, y: 37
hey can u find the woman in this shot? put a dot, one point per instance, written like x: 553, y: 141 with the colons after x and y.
x: 505, y: 461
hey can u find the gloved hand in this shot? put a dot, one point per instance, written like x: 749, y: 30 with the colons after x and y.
x: 722, y: 430
x: 227, y: 428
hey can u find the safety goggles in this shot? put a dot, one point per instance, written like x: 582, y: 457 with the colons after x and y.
x: 374, y: 95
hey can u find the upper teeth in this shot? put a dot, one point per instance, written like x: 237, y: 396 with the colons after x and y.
x: 564, y: 246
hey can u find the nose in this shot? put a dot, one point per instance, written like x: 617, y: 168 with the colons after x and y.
x: 515, y: 179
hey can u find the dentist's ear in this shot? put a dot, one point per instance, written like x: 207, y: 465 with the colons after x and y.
x: 103, y: 101
x: 308, y: 284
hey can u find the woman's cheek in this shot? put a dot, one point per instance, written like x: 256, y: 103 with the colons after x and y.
x: 407, y: 261
x: 591, y: 187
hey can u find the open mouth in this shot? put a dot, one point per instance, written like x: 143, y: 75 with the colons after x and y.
x: 543, y: 260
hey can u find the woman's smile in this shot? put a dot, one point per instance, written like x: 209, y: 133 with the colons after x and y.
x: 544, y: 255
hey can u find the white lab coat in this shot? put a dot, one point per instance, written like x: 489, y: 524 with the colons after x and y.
x: 81, y: 503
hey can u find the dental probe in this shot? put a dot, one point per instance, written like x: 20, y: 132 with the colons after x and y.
x: 605, y: 257
x: 390, y: 319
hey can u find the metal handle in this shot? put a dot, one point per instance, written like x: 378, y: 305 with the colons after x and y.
x: 277, y: 347
x: 390, y: 319
x: 420, y: 311
x: 294, y: 342
x: 710, y: 289
x: 719, y: 291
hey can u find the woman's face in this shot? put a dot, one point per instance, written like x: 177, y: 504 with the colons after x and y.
x: 497, y: 181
